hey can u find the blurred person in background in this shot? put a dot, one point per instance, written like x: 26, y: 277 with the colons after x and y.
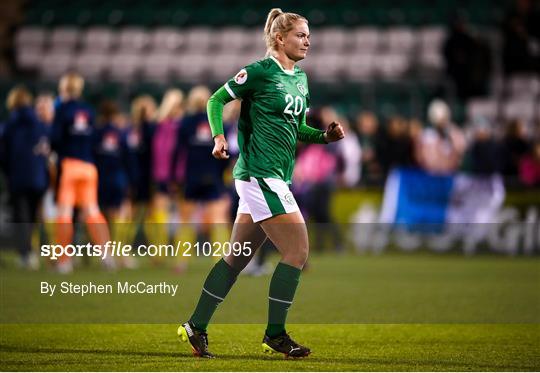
x: 396, y: 146
x: 484, y: 156
x: 72, y: 139
x: 529, y: 166
x: 416, y: 127
x: 441, y: 147
x: 140, y: 138
x: 478, y: 192
x: 349, y: 155
x: 521, y: 38
x: 203, y: 178
x: 45, y: 108
x: 116, y: 169
x: 515, y: 144
x: 367, y: 128
x: 468, y: 59
x: 170, y: 113
x: 24, y: 148
x: 203, y: 187
x: 314, y: 181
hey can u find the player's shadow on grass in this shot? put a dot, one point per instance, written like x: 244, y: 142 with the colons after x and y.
x: 256, y: 357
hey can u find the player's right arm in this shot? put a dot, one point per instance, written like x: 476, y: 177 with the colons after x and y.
x: 241, y: 86
x: 215, y: 118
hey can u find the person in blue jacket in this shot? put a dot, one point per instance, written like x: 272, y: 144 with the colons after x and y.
x: 204, y: 188
x: 25, y: 148
x: 143, y: 127
x: 116, y: 164
x: 203, y: 184
x: 140, y: 137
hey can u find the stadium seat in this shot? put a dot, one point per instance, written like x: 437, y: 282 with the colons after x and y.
x: 486, y: 108
x: 91, y: 65
x: 430, y: 62
x: 224, y: 66
x: 526, y: 85
x: 193, y: 67
x: 365, y: 40
x: 431, y: 38
x: 391, y: 65
x: 98, y: 39
x: 246, y: 59
x: 34, y: 37
x: 326, y: 67
x: 64, y: 38
x: 520, y: 108
x: 198, y: 39
x: 132, y: 39
x: 359, y: 66
x: 329, y: 40
x: 233, y: 39
x: 123, y: 66
x: 255, y: 41
x: 29, y: 57
x: 29, y: 47
x: 157, y: 67
x: 166, y: 39
x: 398, y: 40
x: 55, y: 63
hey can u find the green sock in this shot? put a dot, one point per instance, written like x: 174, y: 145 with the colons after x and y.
x: 282, y: 288
x: 218, y: 283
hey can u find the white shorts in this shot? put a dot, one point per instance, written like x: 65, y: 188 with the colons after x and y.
x: 263, y: 198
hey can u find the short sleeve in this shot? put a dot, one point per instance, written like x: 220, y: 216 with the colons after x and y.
x: 244, y: 83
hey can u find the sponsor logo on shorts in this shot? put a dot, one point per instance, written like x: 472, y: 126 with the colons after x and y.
x: 289, y: 198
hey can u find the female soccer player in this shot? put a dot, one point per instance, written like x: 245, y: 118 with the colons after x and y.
x: 170, y: 114
x: 24, y: 149
x: 72, y: 138
x: 203, y: 181
x: 115, y: 164
x: 275, y: 98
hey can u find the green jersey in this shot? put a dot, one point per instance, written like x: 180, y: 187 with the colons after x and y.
x: 274, y: 105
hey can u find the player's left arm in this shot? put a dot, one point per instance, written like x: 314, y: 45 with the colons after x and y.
x: 311, y: 135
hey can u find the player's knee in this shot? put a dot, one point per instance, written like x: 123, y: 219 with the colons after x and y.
x: 297, y: 257
x: 65, y: 212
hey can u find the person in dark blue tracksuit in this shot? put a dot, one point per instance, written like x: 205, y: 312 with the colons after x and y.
x: 143, y: 111
x: 203, y: 183
x: 24, y: 150
x: 140, y: 137
x: 115, y: 163
x: 203, y: 186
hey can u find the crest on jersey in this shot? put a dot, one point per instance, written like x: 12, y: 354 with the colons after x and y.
x: 241, y: 77
x: 110, y: 142
x: 134, y: 139
x: 301, y: 88
x: 203, y: 132
x: 81, y: 121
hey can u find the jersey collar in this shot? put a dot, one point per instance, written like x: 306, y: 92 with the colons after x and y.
x: 288, y: 72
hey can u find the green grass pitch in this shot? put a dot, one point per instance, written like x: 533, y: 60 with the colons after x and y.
x: 397, y: 312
